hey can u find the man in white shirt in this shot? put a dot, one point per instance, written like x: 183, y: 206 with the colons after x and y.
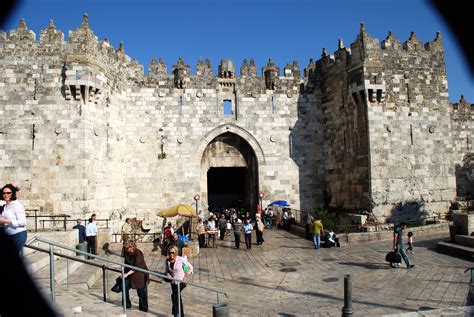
x: 91, y: 235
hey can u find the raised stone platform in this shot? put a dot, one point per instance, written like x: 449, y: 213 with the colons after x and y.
x: 463, y: 246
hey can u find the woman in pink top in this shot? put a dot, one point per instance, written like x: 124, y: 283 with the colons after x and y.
x: 179, y: 268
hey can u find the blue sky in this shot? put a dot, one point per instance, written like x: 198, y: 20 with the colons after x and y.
x: 237, y: 29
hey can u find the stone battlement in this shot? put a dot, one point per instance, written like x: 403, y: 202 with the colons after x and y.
x: 102, y: 57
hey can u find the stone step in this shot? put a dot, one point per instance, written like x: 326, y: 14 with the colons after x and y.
x: 36, y: 261
x: 85, y: 276
x: 456, y: 249
x: 465, y: 240
x: 73, y: 301
x: 62, y: 269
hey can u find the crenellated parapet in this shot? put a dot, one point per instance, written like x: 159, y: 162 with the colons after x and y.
x: 411, y: 72
x: 369, y: 68
x: 463, y: 106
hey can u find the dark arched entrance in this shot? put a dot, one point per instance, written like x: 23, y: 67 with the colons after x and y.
x: 230, y: 170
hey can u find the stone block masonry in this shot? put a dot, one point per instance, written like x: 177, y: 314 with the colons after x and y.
x: 369, y: 127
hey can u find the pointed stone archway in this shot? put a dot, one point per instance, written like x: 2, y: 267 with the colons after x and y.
x: 229, y: 160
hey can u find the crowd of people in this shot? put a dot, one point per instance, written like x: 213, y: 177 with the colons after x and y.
x: 177, y: 267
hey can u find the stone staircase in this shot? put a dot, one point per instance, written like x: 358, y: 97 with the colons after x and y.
x: 462, y: 246
x: 74, y: 282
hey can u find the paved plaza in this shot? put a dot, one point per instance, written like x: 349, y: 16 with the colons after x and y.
x: 286, y: 276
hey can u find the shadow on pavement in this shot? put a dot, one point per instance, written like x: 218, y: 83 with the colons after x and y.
x: 370, y: 266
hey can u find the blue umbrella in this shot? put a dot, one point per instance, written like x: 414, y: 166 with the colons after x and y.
x: 280, y: 203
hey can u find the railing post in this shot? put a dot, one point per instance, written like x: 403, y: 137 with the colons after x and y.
x: 51, y: 272
x: 65, y: 226
x: 347, y: 309
x: 67, y: 273
x: 124, y: 302
x: 36, y: 220
x: 104, y: 286
x: 179, y: 299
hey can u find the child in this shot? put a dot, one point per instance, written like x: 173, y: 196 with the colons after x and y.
x: 228, y: 228
x: 410, y: 242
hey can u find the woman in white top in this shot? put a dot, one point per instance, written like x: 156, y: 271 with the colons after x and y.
x: 13, y: 217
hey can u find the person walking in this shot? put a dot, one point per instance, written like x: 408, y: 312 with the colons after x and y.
x: 13, y: 217
x: 259, y: 231
x: 309, y: 221
x: 136, y: 279
x: 81, y: 230
x: 397, y: 244
x: 91, y: 236
x: 126, y: 234
x: 179, y: 268
x: 222, y: 224
x: 248, y: 233
x: 317, y: 228
x: 201, y: 233
x: 237, y: 232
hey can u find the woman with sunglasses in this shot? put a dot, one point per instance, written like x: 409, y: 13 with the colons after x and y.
x: 179, y: 268
x: 13, y: 217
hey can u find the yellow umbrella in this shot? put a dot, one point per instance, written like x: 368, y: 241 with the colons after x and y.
x: 178, y: 210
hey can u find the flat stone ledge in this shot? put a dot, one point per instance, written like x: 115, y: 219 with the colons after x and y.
x: 463, y: 311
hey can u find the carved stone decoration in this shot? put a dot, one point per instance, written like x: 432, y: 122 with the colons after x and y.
x: 271, y: 73
x: 244, y: 69
x: 142, y: 139
x: 226, y: 69
x: 273, y: 138
x: 22, y: 33
x: 296, y: 69
x: 388, y: 129
x: 96, y: 131
x: 58, y: 130
x: 179, y: 140
x: 431, y: 129
x: 289, y: 93
x: 157, y: 70
x: 181, y: 73
x: 310, y: 70
x: 118, y: 137
x: 252, y: 69
x: 199, y: 94
x: 254, y: 94
x: 51, y: 34
x: 161, y: 93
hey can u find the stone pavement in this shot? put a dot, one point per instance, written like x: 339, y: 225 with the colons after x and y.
x: 286, y: 276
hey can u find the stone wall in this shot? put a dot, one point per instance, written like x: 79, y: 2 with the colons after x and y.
x: 369, y: 127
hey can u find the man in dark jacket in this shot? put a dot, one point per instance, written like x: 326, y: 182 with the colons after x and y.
x: 136, y: 279
x: 81, y: 229
x: 237, y: 232
x: 222, y: 224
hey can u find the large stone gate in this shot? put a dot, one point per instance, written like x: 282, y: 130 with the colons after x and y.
x: 368, y: 127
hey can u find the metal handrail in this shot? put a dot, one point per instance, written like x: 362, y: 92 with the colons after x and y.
x: 135, y: 235
x: 53, y: 244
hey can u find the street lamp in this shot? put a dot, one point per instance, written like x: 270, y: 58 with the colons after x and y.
x: 261, y: 195
x: 196, y: 199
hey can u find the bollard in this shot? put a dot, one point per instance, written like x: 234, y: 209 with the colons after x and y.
x: 220, y: 310
x: 347, y: 309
